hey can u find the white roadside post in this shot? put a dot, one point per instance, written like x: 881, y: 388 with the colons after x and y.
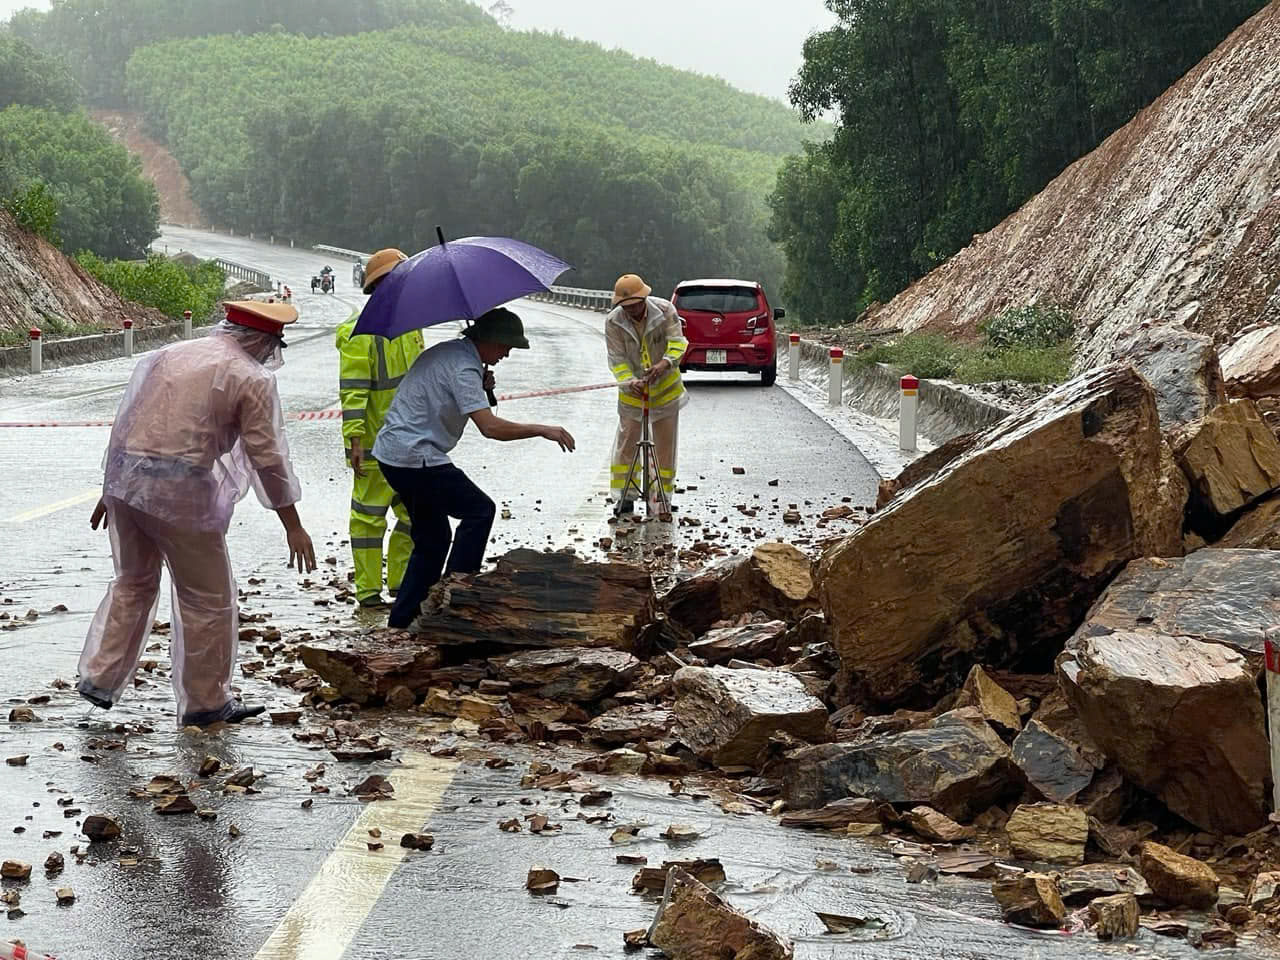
x: 128, y: 338
x: 836, y: 389
x: 186, y: 324
x: 37, y: 350
x: 907, y: 413
x: 1272, y: 648
x: 793, y: 357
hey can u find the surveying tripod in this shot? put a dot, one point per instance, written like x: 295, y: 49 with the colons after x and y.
x: 646, y: 462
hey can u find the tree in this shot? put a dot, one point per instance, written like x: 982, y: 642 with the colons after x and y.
x: 33, y: 79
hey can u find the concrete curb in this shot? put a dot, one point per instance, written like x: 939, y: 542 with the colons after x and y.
x: 16, y: 361
x: 946, y: 410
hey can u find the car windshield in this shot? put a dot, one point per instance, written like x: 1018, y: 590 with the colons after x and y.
x: 717, y: 299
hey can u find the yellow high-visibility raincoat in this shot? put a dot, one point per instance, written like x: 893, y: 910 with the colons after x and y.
x: 370, y: 368
x: 633, y: 348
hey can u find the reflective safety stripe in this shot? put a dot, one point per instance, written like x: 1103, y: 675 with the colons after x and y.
x: 675, y: 350
x: 366, y: 543
x: 369, y: 510
x: 381, y: 346
x: 382, y: 383
x: 622, y: 372
x: 402, y: 529
x: 353, y: 415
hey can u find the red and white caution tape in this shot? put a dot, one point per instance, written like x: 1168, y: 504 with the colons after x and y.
x: 16, y: 951
x: 333, y: 413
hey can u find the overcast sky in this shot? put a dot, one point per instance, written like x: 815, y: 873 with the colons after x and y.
x: 754, y: 44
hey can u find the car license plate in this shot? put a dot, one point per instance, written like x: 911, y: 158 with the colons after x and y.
x: 716, y: 358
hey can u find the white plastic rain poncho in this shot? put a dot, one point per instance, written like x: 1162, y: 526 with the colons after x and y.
x: 633, y: 349
x: 200, y: 422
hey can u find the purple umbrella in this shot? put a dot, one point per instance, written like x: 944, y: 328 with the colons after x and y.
x: 458, y: 280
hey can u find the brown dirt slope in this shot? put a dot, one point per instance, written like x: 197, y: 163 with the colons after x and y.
x: 158, y: 164
x: 1176, y: 216
x: 39, y: 282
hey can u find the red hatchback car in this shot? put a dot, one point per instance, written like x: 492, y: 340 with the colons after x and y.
x: 729, y: 326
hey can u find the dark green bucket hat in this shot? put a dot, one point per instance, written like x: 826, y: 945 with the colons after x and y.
x: 500, y: 326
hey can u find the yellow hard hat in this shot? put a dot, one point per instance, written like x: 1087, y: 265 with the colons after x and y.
x: 379, y: 265
x: 630, y: 287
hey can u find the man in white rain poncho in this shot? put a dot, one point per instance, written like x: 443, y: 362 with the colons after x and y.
x: 199, y: 424
x: 645, y: 345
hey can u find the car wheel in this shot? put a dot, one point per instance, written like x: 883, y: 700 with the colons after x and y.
x: 769, y: 375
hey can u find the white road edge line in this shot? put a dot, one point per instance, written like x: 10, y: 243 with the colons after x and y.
x: 329, y: 914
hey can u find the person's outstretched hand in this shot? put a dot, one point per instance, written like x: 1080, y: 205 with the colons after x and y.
x: 302, y: 554
x: 561, y: 436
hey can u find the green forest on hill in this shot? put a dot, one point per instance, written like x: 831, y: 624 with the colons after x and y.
x: 614, y: 163
x: 61, y: 174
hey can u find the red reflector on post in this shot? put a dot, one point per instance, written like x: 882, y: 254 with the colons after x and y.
x: 34, y: 333
x: 837, y: 353
x: 795, y: 338
x: 909, y: 383
x: 128, y: 324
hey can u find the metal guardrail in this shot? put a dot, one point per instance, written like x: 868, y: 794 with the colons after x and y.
x: 342, y: 252
x: 577, y: 297
x: 245, y: 272
x: 569, y: 296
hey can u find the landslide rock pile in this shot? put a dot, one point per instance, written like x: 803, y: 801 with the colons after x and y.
x: 1173, y: 218
x: 1047, y: 652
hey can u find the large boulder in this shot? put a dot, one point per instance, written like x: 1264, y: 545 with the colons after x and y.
x: 777, y: 579
x: 1231, y: 458
x: 997, y: 558
x: 956, y: 764
x: 751, y: 641
x: 1181, y: 718
x: 538, y: 600
x: 580, y: 674
x: 1182, y: 367
x: 1251, y: 365
x: 366, y: 668
x: 727, y: 716
x: 1216, y: 596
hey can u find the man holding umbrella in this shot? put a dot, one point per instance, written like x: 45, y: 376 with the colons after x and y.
x: 444, y: 389
x: 448, y: 385
x: 369, y: 370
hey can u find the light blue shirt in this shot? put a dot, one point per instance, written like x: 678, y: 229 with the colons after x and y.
x: 442, y: 389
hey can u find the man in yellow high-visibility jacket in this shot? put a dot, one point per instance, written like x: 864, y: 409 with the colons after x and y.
x: 370, y: 368
x: 644, y: 344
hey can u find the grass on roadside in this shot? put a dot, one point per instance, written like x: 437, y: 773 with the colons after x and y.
x: 51, y: 327
x: 932, y: 356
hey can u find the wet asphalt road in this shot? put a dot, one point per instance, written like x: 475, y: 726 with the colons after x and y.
x: 302, y: 883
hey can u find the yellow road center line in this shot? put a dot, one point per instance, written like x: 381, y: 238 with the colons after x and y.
x: 35, y: 513
x: 322, y: 922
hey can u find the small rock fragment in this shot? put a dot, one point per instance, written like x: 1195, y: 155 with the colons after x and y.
x: 23, y: 715
x: 1051, y: 832
x: 510, y: 826
x: 15, y: 870
x: 542, y: 880
x: 54, y: 864
x: 401, y: 698
x: 417, y: 841
x: 837, y: 923
x: 932, y: 825
x: 17, y: 761
x: 99, y: 827
x: 209, y: 766
x: 66, y: 896
x: 172, y: 806
x: 680, y: 832
x: 1030, y: 900
x: 1178, y: 880
x: 1114, y: 917
x: 693, y: 923
x: 233, y: 831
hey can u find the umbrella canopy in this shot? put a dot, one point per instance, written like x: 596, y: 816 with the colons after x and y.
x: 457, y: 280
